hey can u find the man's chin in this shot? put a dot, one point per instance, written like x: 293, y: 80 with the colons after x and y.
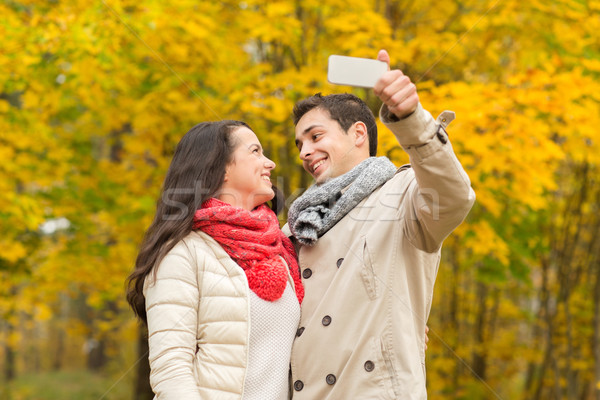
x: 321, y: 176
x: 321, y: 179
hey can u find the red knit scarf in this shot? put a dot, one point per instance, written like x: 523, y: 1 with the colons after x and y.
x: 255, y: 242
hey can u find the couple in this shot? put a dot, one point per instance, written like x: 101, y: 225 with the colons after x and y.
x: 220, y: 286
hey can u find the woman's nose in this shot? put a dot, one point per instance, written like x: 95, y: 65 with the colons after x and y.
x: 269, y: 164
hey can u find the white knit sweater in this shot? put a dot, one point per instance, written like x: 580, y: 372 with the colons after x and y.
x: 272, y: 331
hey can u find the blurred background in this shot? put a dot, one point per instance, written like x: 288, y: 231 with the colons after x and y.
x: 94, y: 95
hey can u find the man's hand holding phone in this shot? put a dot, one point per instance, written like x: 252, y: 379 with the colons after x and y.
x: 393, y: 87
x: 396, y: 90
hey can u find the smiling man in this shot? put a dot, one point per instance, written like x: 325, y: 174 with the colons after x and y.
x: 369, y: 238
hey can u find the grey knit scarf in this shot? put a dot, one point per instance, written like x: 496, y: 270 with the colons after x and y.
x: 321, y: 206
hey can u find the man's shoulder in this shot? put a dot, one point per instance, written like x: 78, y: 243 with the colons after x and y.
x: 403, y: 168
x: 404, y: 174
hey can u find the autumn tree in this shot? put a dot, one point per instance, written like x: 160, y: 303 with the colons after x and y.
x: 94, y: 97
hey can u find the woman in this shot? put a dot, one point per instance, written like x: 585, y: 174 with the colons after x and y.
x: 216, y: 280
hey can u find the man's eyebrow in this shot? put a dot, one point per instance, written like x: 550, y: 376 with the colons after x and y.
x: 310, y: 128
x: 307, y: 131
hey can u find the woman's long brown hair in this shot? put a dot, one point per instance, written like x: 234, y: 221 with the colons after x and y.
x: 196, y: 173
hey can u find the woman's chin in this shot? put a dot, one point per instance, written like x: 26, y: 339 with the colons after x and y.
x: 263, y: 198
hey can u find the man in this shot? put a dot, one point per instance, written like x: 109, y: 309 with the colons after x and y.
x: 369, y: 238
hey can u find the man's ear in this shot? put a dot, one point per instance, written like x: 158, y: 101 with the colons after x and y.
x: 360, y: 134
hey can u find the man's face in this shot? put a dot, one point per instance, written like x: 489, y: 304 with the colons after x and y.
x: 325, y: 149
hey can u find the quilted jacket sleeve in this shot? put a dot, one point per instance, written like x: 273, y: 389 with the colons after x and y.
x: 172, y: 302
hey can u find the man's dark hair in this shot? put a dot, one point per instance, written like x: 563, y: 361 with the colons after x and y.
x: 346, y: 109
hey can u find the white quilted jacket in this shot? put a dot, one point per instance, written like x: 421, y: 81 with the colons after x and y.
x: 198, y: 322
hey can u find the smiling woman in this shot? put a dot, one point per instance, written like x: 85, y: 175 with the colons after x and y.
x: 247, y: 182
x: 214, y: 242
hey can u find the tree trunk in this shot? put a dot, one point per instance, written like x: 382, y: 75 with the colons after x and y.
x: 545, y: 315
x: 143, y: 391
x: 596, y: 344
x: 96, y: 354
x: 9, y: 356
x: 9, y: 366
x: 59, y: 351
x: 479, y: 356
x: 454, y: 322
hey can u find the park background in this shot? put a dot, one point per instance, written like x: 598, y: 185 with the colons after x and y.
x: 95, y: 94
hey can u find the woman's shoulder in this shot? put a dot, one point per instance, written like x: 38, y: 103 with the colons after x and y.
x: 200, y: 242
x: 191, y: 247
x: 194, y: 250
x: 199, y: 247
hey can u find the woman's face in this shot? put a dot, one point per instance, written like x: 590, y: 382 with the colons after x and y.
x: 247, y: 178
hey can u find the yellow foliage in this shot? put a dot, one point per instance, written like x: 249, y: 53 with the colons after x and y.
x: 486, y: 242
x: 13, y: 339
x: 43, y: 312
x: 94, y: 97
x: 12, y: 251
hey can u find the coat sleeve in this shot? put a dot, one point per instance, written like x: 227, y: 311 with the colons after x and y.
x: 172, y: 301
x: 439, y: 196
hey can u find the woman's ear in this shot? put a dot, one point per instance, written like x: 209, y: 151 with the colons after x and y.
x: 226, y: 177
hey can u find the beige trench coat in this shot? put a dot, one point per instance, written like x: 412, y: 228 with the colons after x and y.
x: 369, y: 280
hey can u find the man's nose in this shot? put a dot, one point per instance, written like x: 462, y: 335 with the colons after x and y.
x: 305, y: 152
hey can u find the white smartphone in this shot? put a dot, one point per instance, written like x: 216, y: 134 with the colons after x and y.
x: 354, y: 71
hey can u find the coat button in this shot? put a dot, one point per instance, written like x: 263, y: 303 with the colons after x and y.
x: 369, y: 366
x: 299, y: 331
x: 326, y: 320
x: 298, y: 386
x: 330, y: 379
x: 339, y: 262
x: 306, y: 273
